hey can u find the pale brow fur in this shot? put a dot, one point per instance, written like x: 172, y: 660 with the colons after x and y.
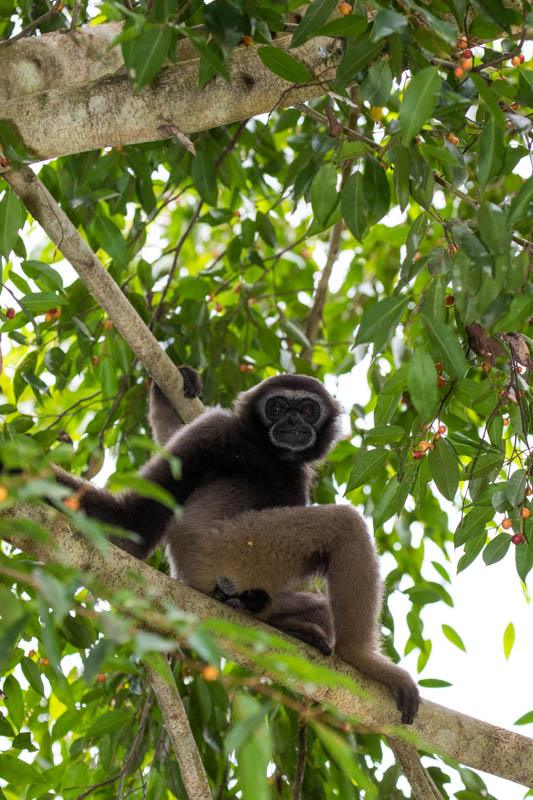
x: 246, y: 518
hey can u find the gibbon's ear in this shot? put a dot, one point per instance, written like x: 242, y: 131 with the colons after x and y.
x: 162, y: 417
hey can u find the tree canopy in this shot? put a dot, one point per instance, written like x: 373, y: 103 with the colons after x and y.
x: 376, y: 215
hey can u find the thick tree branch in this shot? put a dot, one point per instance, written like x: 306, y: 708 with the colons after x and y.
x: 178, y: 728
x: 436, y: 729
x: 102, y: 287
x: 79, y: 97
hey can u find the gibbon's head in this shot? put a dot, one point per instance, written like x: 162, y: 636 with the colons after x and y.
x: 292, y: 414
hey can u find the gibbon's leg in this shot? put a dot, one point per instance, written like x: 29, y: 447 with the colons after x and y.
x: 305, y: 615
x: 275, y: 548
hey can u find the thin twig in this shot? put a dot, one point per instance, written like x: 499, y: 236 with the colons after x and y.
x: 302, y: 755
x: 52, y: 12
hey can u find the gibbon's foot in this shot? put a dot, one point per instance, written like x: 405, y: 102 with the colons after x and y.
x: 252, y: 600
x: 407, y: 701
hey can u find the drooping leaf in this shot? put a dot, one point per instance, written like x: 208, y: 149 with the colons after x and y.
x: 496, y: 548
x: 422, y: 383
x: 354, y: 207
x: 444, y: 467
x: 281, y: 63
x: 380, y: 321
x: 446, y: 345
x: 365, y: 466
x: 419, y: 102
x: 315, y: 17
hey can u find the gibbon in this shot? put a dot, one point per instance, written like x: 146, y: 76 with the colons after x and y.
x: 248, y: 535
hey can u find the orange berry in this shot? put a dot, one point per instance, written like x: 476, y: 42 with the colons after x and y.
x: 107, y: 325
x: 466, y: 63
x: 3, y: 494
x: 210, y: 673
x: 219, y: 308
x: 519, y: 369
x: 48, y: 317
x: 515, y: 61
x: 44, y: 662
x: 242, y: 367
x: 4, y: 162
x: 453, y: 139
x: 485, y: 367
x: 529, y: 491
x: 32, y: 654
x: 515, y: 106
x: 437, y: 436
x: 462, y: 42
x: 72, y: 502
x: 442, y: 429
x: 423, y: 446
x: 452, y: 250
x: 238, y: 286
x: 449, y: 300
x: 431, y: 446
x: 525, y: 513
x: 506, y: 523
x: 100, y: 677
x: 247, y: 40
x: 440, y: 381
x: 345, y: 9
x: 439, y: 366
x: 459, y: 72
x: 506, y: 420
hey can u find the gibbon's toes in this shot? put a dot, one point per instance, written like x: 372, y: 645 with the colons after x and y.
x: 408, y: 701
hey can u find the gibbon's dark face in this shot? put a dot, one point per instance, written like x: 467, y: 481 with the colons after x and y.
x: 295, y: 412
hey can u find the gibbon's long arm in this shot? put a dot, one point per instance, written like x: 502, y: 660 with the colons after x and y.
x: 201, y: 447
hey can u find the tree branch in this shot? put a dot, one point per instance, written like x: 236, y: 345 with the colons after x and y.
x: 177, y: 725
x: 470, y: 741
x: 45, y: 210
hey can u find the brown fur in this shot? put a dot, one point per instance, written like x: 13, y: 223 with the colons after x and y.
x: 247, y: 524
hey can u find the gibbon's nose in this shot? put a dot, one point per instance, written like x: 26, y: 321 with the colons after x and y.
x: 292, y: 418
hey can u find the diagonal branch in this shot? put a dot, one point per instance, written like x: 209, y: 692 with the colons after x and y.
x: 177, y: 725
x: 45, y: 210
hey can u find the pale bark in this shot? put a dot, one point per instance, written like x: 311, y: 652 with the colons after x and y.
x: 178, y: 728
x: 67, y: 93
x: 103, y: 288
x: 436, y: 729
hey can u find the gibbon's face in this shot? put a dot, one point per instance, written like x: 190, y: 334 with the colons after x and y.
x: 293, y: 419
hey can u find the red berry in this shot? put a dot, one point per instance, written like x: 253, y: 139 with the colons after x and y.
x: 467, y: 53
x: 442, y: 428
x: 10, y: 313
x: 418, y: 454
x: 518, y: 538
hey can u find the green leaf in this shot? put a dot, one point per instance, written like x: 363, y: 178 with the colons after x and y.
x: 358, y: 53
x: 495, y: 11
x: 521, y: 202
x: 366, y: 466
x: 525, y: 719
x: 434, y: 683
x: 385, y: 507
x: 324, y: 192
x: 351, y: 25
x: 422, y: 383
x: 524, y: 557
x: 44, y: 274
x: 453, y: 637
x: 315, y: 17
x: 342, y: 754
x: 39, y: 302
x: 108, y: 722
x: 281, y: 63
x: 473, y: 524
x: 508, y: 642
x: 18, y: 772
x: 388, y: 22
x: 446, y: 346
x: 377, y: 85
x: 419, y: 102
x: 384, y: 434
x: 444, y: 468
x: 12, y: 217
x: 494, y: 228
x: 491, y: 152
x: 354, y: 207
x: 145, y: 54
x: 376, y: 190
x: 265, y: 228
x: 203, y: 176
x: 516, y: 487
x: 496, y: 549
x: 108, y: 378
x: 380, y: 321
x: 491, y: 99
x: 110, y: 238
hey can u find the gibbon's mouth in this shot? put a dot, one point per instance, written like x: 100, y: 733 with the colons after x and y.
x: 293, y: 438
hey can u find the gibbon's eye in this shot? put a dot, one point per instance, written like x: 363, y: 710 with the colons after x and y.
x: 309, y: 411
x: 276, y: 408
